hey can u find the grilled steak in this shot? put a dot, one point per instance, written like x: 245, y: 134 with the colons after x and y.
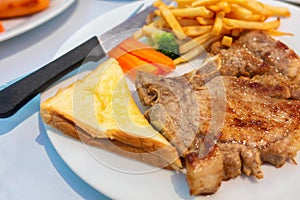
x: 227, y: 125
x: 258, y: 56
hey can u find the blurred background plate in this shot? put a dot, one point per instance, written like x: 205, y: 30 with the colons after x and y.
x: 17, y: 26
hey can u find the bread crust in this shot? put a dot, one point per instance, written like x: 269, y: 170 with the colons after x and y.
x: 69, y: 128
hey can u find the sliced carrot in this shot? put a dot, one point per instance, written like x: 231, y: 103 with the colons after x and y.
x: 131, y: 44
x: 2, y: 29
x: 116, y: 52
x: 134, y: 55
x: 130, y: 64
x: 128, y: 61
x: 154, y: 57
x: 145, y: 52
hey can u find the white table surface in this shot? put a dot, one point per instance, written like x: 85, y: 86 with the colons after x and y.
x: 30, y: 168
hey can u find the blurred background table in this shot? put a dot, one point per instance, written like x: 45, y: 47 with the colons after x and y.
x: 30, y: 168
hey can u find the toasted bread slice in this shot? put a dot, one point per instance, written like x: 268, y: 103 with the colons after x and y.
x: 99, y: 110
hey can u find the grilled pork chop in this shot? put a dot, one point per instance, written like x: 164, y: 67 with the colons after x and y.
x: 256, y: 127
x: 226, y: 125
x: 258, y: 56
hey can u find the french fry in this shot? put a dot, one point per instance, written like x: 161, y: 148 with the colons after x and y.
x: 189, y: 12
x: 185, y: 1
x: 205, y: 2
x: 171, y: 7
x: 240, y: 11
x: 192, y: 12
x: 253, y: 17
x: 188, y: 22
x: 255, y: 7
x: 236, y: 32
x: 227, y: 41
x: 158, y: 3
x: 138, y: 34
x: 157, y: 13
x: 218, y: 25
x: 194, y: 42
x: 183, y: 5
x: 278, y: 33
x: 225, y: 6
x: 151, y: 30
x: 240, y: 24
x: 150, y: 17
x: 172, y: 21
x: 221, y: 6
x: 159, y: 23
x: 205, y: 21
x: 214, y: 2
x: 196, y: 30
x: 190, y: 55
x: 198, y: 50
x: 276, y: 11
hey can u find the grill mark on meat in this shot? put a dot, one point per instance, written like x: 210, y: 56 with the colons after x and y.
x: 250, y: 123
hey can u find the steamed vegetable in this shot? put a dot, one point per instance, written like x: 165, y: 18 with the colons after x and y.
x: 134, y: 55
x: 165, y: 43
x: 130, y: 63
x: 146, y: 52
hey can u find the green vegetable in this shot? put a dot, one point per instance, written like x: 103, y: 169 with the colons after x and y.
x: 165, y: 43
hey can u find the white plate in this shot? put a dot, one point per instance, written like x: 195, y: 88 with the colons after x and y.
x: 114, y: 176
x: 16, y: 26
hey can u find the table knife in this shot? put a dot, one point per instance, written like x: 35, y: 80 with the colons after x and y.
x: 16, y: 95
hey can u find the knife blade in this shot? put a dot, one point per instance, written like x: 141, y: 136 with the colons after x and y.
x: 16, y: 95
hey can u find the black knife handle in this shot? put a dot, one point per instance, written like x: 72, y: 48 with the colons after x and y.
x: 16, y: 95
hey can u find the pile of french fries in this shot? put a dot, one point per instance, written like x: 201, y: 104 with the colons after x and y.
x: 198, y: 23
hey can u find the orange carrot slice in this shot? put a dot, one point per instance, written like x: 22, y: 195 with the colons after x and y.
x: 130, y: 63
x: 145, y: 52
x: 134, y: 55
x: 131, y: 44
x: 116, y: 52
